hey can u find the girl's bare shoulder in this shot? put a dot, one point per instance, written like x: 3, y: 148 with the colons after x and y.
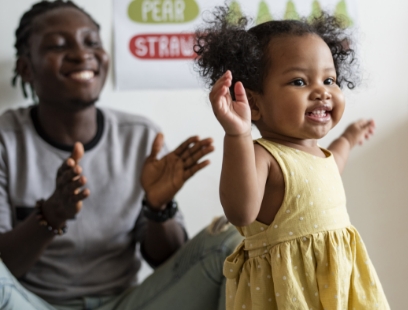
x: 267, y: 162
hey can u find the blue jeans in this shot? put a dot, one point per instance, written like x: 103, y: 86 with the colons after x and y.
x: 191, y: 279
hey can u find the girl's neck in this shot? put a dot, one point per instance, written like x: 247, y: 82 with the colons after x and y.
x: 306, y: 145
x: 68, y: 127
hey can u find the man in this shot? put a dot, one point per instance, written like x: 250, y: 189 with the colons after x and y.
x: 85, y: 171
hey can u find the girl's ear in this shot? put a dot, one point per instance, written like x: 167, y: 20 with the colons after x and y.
x: 24, y: 69
x: 253, y: 104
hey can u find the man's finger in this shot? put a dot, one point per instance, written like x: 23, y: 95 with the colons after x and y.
x: 77, y: 201
x: 75, y: 184
x: 192, y: 155
x: 189, y: 162
x: 67, y: 164
x: 157, y: 145
x: 68, y: 175
x: 83, y: 194
x: 185, y: 145
x: 190, y: 151
x: 77, y: 152
x: 190, y: 172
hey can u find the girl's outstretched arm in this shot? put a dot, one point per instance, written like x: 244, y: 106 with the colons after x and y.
x: 356, y: 133
x: 240, y: 193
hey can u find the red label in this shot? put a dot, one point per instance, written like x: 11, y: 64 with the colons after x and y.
x: 163, y: 46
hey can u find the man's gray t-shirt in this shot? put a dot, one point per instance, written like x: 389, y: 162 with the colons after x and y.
x: 99, y: 254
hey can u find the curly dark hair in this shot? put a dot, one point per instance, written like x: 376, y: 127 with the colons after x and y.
x: 24, y: 31
x: 223, y: 43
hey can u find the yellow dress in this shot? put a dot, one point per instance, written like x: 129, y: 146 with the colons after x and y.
x: 310, y: 257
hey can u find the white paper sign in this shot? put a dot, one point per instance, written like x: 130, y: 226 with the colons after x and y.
x: 153, y: 39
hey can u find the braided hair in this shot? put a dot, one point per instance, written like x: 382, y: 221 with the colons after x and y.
x: 24, y: 31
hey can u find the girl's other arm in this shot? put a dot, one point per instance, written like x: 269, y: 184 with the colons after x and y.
x: 356, y: 133
x: 240, y: 190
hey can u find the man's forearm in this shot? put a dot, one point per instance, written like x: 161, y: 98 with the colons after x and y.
x: 21, y: 247
x: 163, y: 240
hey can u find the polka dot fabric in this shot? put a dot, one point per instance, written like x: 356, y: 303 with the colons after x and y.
x: 310, y: 257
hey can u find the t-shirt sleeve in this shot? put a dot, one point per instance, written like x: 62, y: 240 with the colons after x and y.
x: 5, y: 210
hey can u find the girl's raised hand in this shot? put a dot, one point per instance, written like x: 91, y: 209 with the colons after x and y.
x: 359, y: 131
x: 234, y: 116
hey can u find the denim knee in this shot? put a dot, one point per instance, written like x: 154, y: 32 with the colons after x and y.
x: 226, y: 241
x: 5, y: 293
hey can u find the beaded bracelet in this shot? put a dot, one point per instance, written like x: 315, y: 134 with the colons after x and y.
x: 43, y: 222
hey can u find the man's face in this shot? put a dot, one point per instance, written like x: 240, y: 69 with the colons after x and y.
x: 68, y: 65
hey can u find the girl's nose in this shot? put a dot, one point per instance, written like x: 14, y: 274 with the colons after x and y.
x: 320, y: 93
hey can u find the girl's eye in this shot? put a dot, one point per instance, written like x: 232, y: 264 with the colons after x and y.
x: 298, y: 82
x: 329, y: 81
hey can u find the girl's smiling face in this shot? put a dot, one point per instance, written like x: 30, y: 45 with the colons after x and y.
x: 300, y: 99
x: 67, y: 64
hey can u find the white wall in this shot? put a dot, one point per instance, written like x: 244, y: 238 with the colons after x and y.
x: 376, y: 178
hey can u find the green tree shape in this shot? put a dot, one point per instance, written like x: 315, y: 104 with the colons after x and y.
x: 235, y: 12
x: 291, y: 12
x: 341, y: 12
x: 264, y: 15
x: 316, y: 10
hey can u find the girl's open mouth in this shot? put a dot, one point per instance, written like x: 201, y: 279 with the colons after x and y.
x: 319, y: 115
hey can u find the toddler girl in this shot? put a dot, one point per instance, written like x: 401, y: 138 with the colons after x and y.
x: 284, y: 192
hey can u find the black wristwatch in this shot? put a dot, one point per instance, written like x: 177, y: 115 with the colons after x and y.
x: 159, y: 216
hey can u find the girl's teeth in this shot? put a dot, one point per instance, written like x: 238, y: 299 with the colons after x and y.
x: 83, y: 75
x: 319, y: 112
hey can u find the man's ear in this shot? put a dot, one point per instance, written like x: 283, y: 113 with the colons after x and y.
x: 253, y: 100
x: 24, y: 69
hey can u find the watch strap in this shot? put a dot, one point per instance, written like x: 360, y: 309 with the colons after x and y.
x: 159, y: 216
